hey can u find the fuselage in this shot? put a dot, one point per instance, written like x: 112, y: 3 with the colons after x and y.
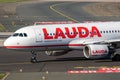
x: 60, y: 36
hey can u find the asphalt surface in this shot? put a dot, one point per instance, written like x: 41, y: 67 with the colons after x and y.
x: 50, y: 11
x: 15, y: 61
x: 62, y: 76
x: 53, y: 68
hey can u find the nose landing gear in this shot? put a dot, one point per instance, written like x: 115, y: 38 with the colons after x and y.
x: 33, y: 57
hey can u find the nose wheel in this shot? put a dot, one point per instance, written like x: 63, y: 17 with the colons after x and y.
x: 33, y: 57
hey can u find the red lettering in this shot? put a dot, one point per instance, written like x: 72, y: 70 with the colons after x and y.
x: 94, y: 32
x: 46, y: 34
x: 83, y: 32
x: 59, y: 33
x: 71, y: 34
x: 99, y: 52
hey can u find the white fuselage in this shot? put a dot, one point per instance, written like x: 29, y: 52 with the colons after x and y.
x: 62, y: 36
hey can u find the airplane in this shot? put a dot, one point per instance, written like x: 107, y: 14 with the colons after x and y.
x: 96, y: 39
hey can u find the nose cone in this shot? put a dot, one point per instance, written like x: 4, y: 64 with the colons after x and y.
x: 7, y: 43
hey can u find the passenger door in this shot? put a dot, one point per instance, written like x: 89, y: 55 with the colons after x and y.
x: 38, y: 35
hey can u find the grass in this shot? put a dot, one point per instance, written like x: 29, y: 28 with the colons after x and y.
x: 2, y: 28
x: 5, y: 1
x: 2, y: 75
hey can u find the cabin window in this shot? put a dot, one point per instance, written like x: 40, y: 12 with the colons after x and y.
x: 94, y: 32
x: 76, y: 32
x: 50, y: 33
x: 112, y: 31
x: 25, y: 35
x: 45, y: 34
x: 106, y: 31
x: 118, y: 31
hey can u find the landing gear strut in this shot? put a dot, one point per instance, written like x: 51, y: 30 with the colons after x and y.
x: 116, y: 57
x: 33, y: 57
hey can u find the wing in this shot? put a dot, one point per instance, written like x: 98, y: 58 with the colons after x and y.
x: 79, y: 44
x: 113, y: 41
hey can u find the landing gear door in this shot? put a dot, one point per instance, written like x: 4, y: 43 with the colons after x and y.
x: 38, y: 35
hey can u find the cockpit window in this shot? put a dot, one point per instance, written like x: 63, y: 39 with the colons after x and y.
x: 25, y: 35
x: 20, y: 35
x: 16, y: 34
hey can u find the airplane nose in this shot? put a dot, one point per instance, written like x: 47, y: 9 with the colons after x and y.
x: 6, y: 43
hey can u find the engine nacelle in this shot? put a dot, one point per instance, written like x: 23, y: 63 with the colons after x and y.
x: 56, y: 53
x: 96, y: 51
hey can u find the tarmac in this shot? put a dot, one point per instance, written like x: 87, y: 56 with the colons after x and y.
x: 3, y: 37
x: 61, y: 76
x: 50, y: 67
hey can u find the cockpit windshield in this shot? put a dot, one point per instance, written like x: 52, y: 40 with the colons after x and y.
x: 16, y: 34
x: 19, y: 35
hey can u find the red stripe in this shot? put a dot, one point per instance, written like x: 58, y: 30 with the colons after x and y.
x: 10, y: 47
x: 100, y: 70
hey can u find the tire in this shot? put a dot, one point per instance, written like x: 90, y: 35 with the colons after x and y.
x: 33, y: 60
x: 116, y: 57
